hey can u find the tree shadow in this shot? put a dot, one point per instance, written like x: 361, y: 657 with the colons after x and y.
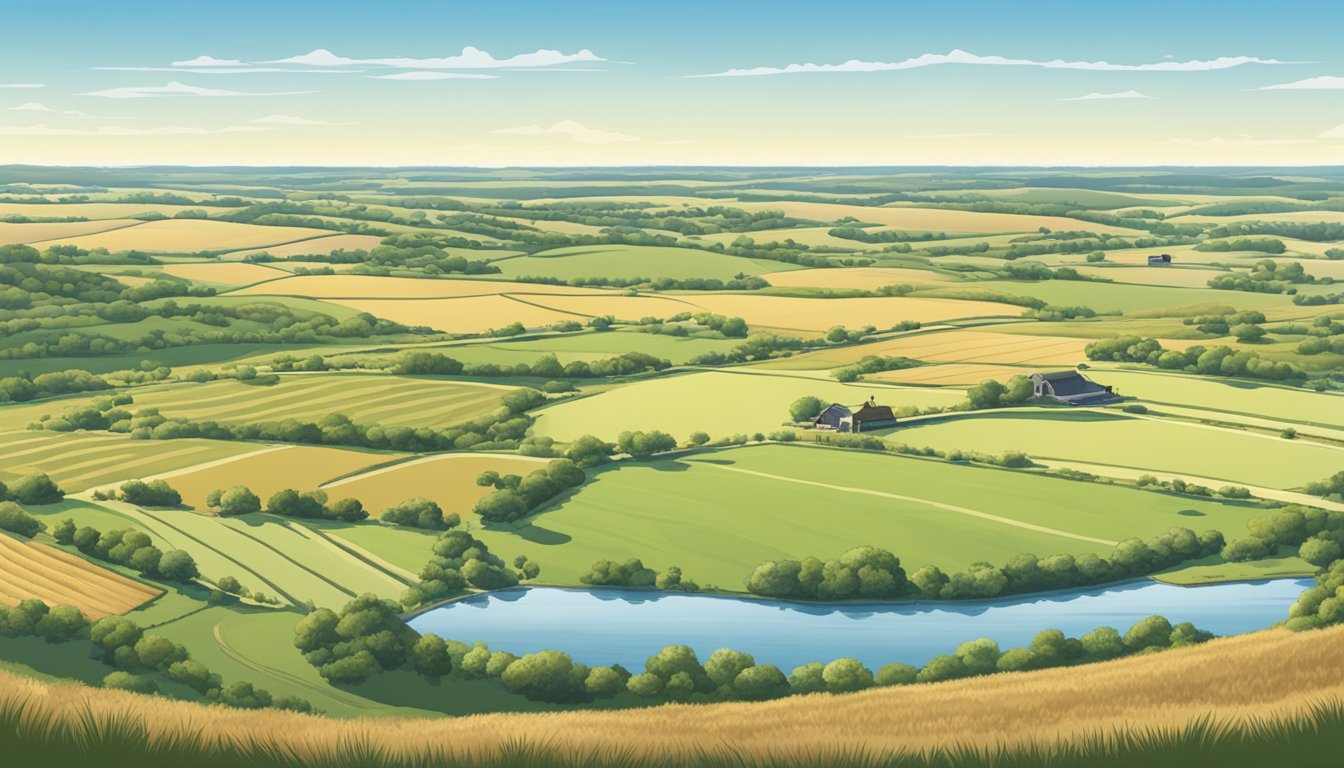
x: 1191, y: 513
x: 544, y: 536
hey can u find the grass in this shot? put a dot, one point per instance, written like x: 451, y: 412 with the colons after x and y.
x: 627, y: 261
x: 196, y: 354
x: 863, y: 278
x: 719, y: 514
x: 223, y: 273
x: 721, y: 403
x: 386, y: 400
x: 932, y: 219
x: 1113, y: 297
x: 81, y: 461
x: 1225, y: 455
x: 34, y: 570
x: 315, y: 246
x: 590, y: 346
x: 1288, y: 404
x: 370, y: 287
x: 270, y: 469
x: 176, y: 235
x: 960, y: 346
x: 1194, y: 706
x: 474, y: 314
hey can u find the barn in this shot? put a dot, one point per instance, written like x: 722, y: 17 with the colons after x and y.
x: 858, y: 418
x: 1071, y: 388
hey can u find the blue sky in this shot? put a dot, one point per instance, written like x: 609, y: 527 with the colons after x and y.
x: 749, y: 83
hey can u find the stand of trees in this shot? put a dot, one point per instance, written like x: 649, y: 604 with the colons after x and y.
x: 461, y: 560
x: 1212, y: 361
x: 516, y: 497
x: 632, y: 573
x: 546, y: 366
x: 130, y: 548
x: 32, y: 490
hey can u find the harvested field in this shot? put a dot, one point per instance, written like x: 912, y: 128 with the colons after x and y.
x: 227, y: 273
x: 368, y: 287
x: 475, y: 314
x: 316, y: 246
x: 954, y: 374
x: 33, y: 570
x: 268, y: 470
x: 976, y: 346
x: 1180, y: 277
x: 449, y: 480
x: 820, y: 314
x: 41, y: 233
x: 188, y: 235
x: 930, y: 219
x: 80, y: 461
x: 861, y: 278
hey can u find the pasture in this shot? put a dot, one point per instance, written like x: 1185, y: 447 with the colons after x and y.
x: 897, y: 216
x: 223, y: 273
x: 37, y: 571
x: 630, y: 261
x: 859, y: 278
x: 314, y: 246
x: 721, y: 403
x: 80, y: 461
x: 1288, y: 404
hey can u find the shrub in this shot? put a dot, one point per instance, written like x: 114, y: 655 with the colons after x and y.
x: 36, y: 489
x: 155, y: 493
x: 16, y: 519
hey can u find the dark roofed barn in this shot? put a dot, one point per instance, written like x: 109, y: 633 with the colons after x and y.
x: 1071, y: 388
x: 866, y: 417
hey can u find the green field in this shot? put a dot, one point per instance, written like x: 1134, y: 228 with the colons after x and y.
x: 721, y: 403
x: 1111, y: 297
x: 79, y: 461
x: 1288, y: 404
x: 628, y: 261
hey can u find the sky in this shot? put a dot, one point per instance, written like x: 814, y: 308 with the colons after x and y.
x: 574, y: 83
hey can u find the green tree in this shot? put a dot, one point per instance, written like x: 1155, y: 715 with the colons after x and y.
x: 845, y: 675
x: 896, y: 674
x: 36, y: 490
x: 806, y: 408
x: 238, y: 500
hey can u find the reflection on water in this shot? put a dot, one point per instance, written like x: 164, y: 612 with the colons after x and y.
x: 604, y: 626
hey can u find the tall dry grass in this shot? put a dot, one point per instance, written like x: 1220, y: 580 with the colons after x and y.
x: 1252, y: 681
x: 29, y: 570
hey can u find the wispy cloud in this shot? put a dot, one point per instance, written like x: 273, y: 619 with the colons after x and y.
x: 1321, y: 83
x: 1095, y: 96
x: 470, y: 58
x: 22, y: 85
x: 291, y: 120
x: 575, y: 131
x: 208, y: 61
x: 959, y: 56
x: 1333, y: 133
x: 1240, y: 140
x: 243, y: 70
x: 423, y: 75
x: 37, y: 106
x: 120, y: 130
x: 179, y: 89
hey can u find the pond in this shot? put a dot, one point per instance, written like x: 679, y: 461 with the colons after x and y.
x: 605, y: 626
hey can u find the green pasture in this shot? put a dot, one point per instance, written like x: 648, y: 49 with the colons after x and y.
x: 1112, y: 297
x: 628, y: 261
x: 1233, y: 396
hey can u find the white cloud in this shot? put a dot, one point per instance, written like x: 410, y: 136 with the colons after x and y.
x: 243, y: 70
x: 1333, y: 133
x: 291, y: 120
x: 178, y: 89
x: 22, y: 85
x: 1094, y: 96
x: 119, y: 130
x: 208, y: 61
x: 421, y: 75
x: 1240, y: 140
x: 575, y: 131
x: 470, y: 58
x: 1321, y: 83
x: 962, y: 57
x: 37, y: 106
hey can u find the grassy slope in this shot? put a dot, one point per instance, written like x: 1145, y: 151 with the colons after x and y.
x: 626, y: 261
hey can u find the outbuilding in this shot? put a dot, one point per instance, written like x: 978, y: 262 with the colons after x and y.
x: 859, y: 418
x: 1071, y: 388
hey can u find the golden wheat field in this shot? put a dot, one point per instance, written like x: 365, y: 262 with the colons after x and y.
x: 820, y: 314
x: 1270, y: 674
x: 449, y: 480
x: 984, y: 347
x: 188, y: 235
x: 34, y: 570
x: 42, y: 232
x: 93, y: 210
x: 1292, y: 216
x: 228, y: 273
x: 316, y: 246
x: 953, y: 374
x: 265, y: 471
x: 861, y: 278
x: 370, y: 287
x: 930, y: 219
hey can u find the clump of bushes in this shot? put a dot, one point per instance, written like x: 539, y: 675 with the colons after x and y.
x: 516, y: 497
x: 128, y: 547
x: 633, y: 573
x: 314, y: 505
x: 32, y: 490
x: 419, y: 513
x: 155, y: 493
x: 460, y: 559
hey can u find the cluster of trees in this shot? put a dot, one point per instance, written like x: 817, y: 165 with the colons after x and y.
x: 759, y: 346
x: 1316, y: 232
x: 1260, y: 244
x: 17, y: 520
x: 1322, y: 604
x: 992, y: 393
x: 633, y: 573
x: 862, y: 572
x: 516, y: 497
x: 1222, y: 324
x: 642, y: 445
x: 1052, y: 314
x: 21, y: 389
x: 1331, y: 488
x: 1212, y: 361
x: 34, y: 490
x: 155, y: 493
x: 313, y: 505
x: 419, y: 512
x: 1267, y: 276
x: 128, y: 547
x: 1177, y: 485
x: 739, y: 283
x: 546, y: 366
x: 1318, y: 299
x: 34, y: 618
x: 140, y: 657
x: 872, y: 573
x: 1317, y: 534
x: 460, y: 560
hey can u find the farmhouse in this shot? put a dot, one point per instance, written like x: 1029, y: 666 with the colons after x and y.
x: 1159, y: 260
x: 1071, y: 388
x: 843, y: 418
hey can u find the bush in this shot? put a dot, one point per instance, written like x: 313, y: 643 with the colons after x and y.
x: 642, y: 445
x: 418, y: 513
x: 35, y: 490
x: 155, y: 493
x: 1152, y: 632
x: 896, y: 674
x: 238, y: 500
x: 845, y: 675
x: 125, y: 681
x: 549, y: 676
x: 16, y: 519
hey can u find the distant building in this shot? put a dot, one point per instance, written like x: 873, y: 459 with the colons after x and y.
x: 1071, y: 388
x: 859, y: 418
x: 1159, y: 260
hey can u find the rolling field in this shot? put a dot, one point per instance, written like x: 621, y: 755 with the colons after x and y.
x: 475, y: 314
x: 33, y: 570
x: 722, y: 403
x: 267, y: 470
x: 186, y: 235
x: 367, y: 287
x: 590, y: 346
x: 818, y: 315
x: 1175, y: 277
x: 958, y: 346
x: 931, y: 219
x: 1115, y: 297
x: 78, y: 461
x: 1274, y: 402
x: 949, y: 374
x: 399, y: 401
x: 95, y: 210
x: 1136, y: 443
x: 43, y: 232
x: 315, y: 246
x: 448, y: 479
x: 861, y: 278
x: 628, y: 261
x: 223, y: 273
x: 719, y: 514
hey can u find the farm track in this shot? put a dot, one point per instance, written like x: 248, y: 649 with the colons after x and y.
x: 936, y: 504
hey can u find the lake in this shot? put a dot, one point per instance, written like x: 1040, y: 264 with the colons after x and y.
x: 605, y: 626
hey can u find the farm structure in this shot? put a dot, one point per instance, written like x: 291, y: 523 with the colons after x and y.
x: 1159, y: 260
x: 843, y: 418
x: 1071, y: 388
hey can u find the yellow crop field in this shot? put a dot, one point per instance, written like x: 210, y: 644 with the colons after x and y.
x: 958, y: 346
x: 33, y: 570
x: 449, y: 480
x: 930, y: 219
x: 475, y: 314
x: 94, y: 210
x: 954, y: 374
x: 1181, y: 277
x: 265, y: 471
x: 189, y: 235
x: 810, y: 236
x: 621, y: 307
x: 317, y: 245
x: 41, y: 233
x: 861, y: 278
x: 78, y: 462
x: 373, y: 287
x: 224, y: 272
x: 1158, y: 691
x: 820, y: 314
x: 1302, y: 217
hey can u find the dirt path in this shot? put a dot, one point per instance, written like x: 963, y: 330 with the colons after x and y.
x: 948, y: 507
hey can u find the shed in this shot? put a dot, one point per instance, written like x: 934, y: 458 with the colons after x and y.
x: 1071, y: 388
x: 1159, y: 260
